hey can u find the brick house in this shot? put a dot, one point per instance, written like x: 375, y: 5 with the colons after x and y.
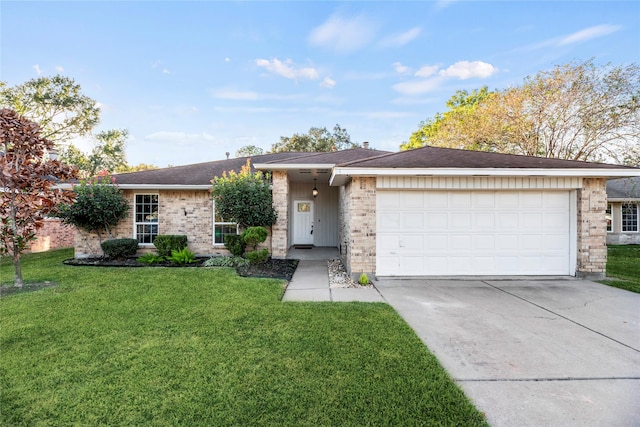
x: 623, y: 211
x: 424, y: 212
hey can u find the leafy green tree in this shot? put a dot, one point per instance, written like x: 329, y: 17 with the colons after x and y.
x: 248, y: 151
x: 244, y: 197
x: 98, y: 208
x: 56, y: 104
x: 316, y: 140
x: 576, y: 111
x: 27, y: 178
x: 107, y: 154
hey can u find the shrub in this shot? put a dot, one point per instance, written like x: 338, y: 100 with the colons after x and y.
x: 244, y: 197
x: 364, y: 279
x: 182, y: 256
x: 167, y: 243
x: 253, y: 236
x: 119, y: 248
x: 235, y: 244
x: 226, y: 261
x: 150, y: 258
x: 258, y: 257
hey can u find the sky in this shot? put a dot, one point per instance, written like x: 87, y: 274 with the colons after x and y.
x: 191, y: 81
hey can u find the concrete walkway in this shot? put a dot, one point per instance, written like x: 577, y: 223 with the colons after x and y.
x: 310, y: 282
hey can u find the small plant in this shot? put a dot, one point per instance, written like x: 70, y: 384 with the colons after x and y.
x: 119, y: 248
x: 166, y: 243
x: 258, y: 257
x: 253, y: 236
x: 235, y: 244
x: 150, y: 258
x: 182, y: 256
x: 226, y: 261
x: 364, y: 279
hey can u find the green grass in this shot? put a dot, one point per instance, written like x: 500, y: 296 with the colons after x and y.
x: 204, y: 347
x: 623, y: 263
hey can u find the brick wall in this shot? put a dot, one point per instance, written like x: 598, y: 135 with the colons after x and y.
x: 357, y: 231
x: 592, y: 228
x: 197, y: 224
x: 280, y: 240
x: 53, y: 235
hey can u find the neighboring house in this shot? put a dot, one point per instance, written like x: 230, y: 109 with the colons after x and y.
x: 53, y: 235
x: 424, y: 212
x: 623, y: 206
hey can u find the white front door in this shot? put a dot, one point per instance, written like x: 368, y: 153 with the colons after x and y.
x: 302, y: 222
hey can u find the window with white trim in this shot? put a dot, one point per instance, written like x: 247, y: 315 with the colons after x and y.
x: 222, y: 228
x: 145, y: 225
x: 629, y: 217
x: 609, y: 216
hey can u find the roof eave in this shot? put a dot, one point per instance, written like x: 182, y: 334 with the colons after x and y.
x: 292, y: 166
x: 341, y: 175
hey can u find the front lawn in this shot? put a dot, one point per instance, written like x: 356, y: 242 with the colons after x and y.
x: 623, y: 263
x: 166, y: 346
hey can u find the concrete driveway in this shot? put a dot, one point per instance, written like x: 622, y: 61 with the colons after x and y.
x: 533, y: 352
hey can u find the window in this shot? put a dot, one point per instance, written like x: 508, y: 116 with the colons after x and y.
x: 609, y: 216
x: 222, y: 228
x: 146, y: 218
x: 629, y: 217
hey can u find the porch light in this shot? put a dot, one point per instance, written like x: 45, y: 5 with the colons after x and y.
x: 315, y: 189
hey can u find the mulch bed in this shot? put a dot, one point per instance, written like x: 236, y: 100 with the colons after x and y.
x: 27, y: 287
x: 272, y: 269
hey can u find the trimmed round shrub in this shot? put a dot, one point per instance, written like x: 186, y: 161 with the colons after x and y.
x: 235, y: 244
x: 119, y: 248
x: 253, y: 236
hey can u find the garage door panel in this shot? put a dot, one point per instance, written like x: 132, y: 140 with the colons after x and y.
x: 466, y: 233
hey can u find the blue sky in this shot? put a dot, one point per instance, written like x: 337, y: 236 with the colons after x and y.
x: 193, y: 80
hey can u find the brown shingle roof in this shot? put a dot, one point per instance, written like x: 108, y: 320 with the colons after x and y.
x: 196, y: 174
x: 333, y: 157
x: 435, y: 157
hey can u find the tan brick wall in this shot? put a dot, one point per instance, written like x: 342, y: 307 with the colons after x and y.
x: 280, y: 240
x: 592, y: 228
x: 53, y: 235
x: 358, y: 225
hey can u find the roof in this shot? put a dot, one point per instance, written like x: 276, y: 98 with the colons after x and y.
x: 435, y: 157
x: 623, y: 189
x: 330, y: 158
x: 196, y: 175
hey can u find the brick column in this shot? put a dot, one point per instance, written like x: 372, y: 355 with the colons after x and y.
x: 362, y: 226
x: 592, y: 229
x: 280, y: 230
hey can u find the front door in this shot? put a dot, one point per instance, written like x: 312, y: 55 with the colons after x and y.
x: 302, y: 222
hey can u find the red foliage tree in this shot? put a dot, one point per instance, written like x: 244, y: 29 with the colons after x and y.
x: 27, y: 181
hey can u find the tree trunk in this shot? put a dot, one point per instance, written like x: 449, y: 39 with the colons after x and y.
x: 17, y: 282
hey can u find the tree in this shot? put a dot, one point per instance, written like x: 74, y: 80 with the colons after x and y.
x: 317, y: 140
x: 65, y: 113
x: 56, y: 103
x: 107, y: 154
x: 248, y: 151
x: 28, y: 176
x: 98, y: 207
x: 576, y: 111
x: 244, y: 197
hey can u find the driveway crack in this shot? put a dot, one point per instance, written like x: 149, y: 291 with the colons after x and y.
x: 560, y: 315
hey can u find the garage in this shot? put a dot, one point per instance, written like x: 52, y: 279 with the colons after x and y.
x: 462, y: 233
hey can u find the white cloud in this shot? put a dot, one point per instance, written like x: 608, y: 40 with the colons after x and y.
x: 287, y: 70
x: 401, y: 39
x: 179, y: 137
x: 427, y: 71
x: 401, y: 69
x: 441, y: 4
x: 417, y: 87
x: 465, y: 70
x: 166, y: 71
x: 59, y: 69
x: 37, y: 68
x: 344, y: 35
x: 588, y: 34
x: 328, y: 82
x: 227, y: 59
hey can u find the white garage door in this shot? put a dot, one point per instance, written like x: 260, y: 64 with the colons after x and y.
x: 472, y: 233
